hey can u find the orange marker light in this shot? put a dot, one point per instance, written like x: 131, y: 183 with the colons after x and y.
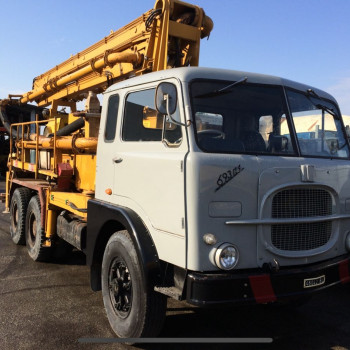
x: 108, y: 191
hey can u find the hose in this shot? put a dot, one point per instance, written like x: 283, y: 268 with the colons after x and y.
x: 70, y: 128
x: 151, y: 18
x: 10, y: 114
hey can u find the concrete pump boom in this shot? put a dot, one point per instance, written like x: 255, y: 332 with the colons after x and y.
x: 164, y: 37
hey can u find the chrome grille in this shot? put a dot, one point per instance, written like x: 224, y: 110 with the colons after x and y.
x: 305, y: 236
x: 301, y: 203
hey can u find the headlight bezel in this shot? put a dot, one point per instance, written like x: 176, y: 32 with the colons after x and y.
x: 347, y: 242
x: 223, y: 249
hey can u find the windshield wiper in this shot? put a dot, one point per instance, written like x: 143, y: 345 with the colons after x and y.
x: 312, y: 92
x: 327, y: 109
x: 319, y: 105
x: 224, y: 90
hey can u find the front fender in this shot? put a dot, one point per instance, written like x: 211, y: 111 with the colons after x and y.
x: 103, y: 220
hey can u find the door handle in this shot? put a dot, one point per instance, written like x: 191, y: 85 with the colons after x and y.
x: 117, y: 160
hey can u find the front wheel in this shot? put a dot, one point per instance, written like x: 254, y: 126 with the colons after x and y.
x: 133, y: 309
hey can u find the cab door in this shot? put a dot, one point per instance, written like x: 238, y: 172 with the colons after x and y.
x: 149, y: 163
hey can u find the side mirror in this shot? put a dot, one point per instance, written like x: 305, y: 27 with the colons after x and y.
x: 166, y: 98
x: 347, y: 129
x: 278, y: 143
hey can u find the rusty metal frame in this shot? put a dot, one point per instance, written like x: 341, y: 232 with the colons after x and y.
x: 40, y: 187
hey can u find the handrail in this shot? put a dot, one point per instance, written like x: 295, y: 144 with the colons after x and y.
x: 27, y: 125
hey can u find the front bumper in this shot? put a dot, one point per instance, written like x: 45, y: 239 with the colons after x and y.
x: 256, y: 286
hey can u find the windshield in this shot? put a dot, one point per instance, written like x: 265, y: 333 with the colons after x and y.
x: 318, y: 126
x: 239, y: 117
x: 244, y: 118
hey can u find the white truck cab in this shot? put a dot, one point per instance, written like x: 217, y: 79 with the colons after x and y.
x: 234, y: 188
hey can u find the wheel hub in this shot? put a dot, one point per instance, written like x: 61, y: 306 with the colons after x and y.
x: 32, y: 230
x: 120, y: 287
x: 14, y: 217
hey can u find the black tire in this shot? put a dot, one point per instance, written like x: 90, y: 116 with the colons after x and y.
x: 35, y: 234
x: 133, y: 310
x: 18, y: 210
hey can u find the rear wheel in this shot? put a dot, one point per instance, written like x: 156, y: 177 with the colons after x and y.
x: 134, y: 310
x: 35, y: 234
x: 18, y: 209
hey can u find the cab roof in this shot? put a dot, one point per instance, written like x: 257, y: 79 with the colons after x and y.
x: 187, y: 74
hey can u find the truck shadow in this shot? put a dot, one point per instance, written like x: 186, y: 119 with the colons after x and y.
x: 307, y: 326
x: 74, y: 257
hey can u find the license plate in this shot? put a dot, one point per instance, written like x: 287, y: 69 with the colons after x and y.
x: 314, y: 282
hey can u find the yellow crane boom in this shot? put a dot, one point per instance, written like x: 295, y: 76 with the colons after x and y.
x: 166, y: 36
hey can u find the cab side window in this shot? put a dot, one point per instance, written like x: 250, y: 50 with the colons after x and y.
x: 142, y: 122
x: 111, y: 121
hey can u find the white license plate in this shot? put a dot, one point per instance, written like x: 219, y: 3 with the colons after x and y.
x: 314, y: 282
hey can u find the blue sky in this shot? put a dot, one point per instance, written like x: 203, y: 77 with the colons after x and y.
x: 302, y: 40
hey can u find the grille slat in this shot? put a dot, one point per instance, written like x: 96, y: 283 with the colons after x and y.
x: 301, y: 203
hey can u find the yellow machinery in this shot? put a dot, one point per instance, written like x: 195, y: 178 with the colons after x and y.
x: 54, y: 153
x: 4, y: 150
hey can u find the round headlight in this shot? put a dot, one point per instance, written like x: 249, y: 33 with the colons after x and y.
x: 226, y: 256
x: 347, y: 242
